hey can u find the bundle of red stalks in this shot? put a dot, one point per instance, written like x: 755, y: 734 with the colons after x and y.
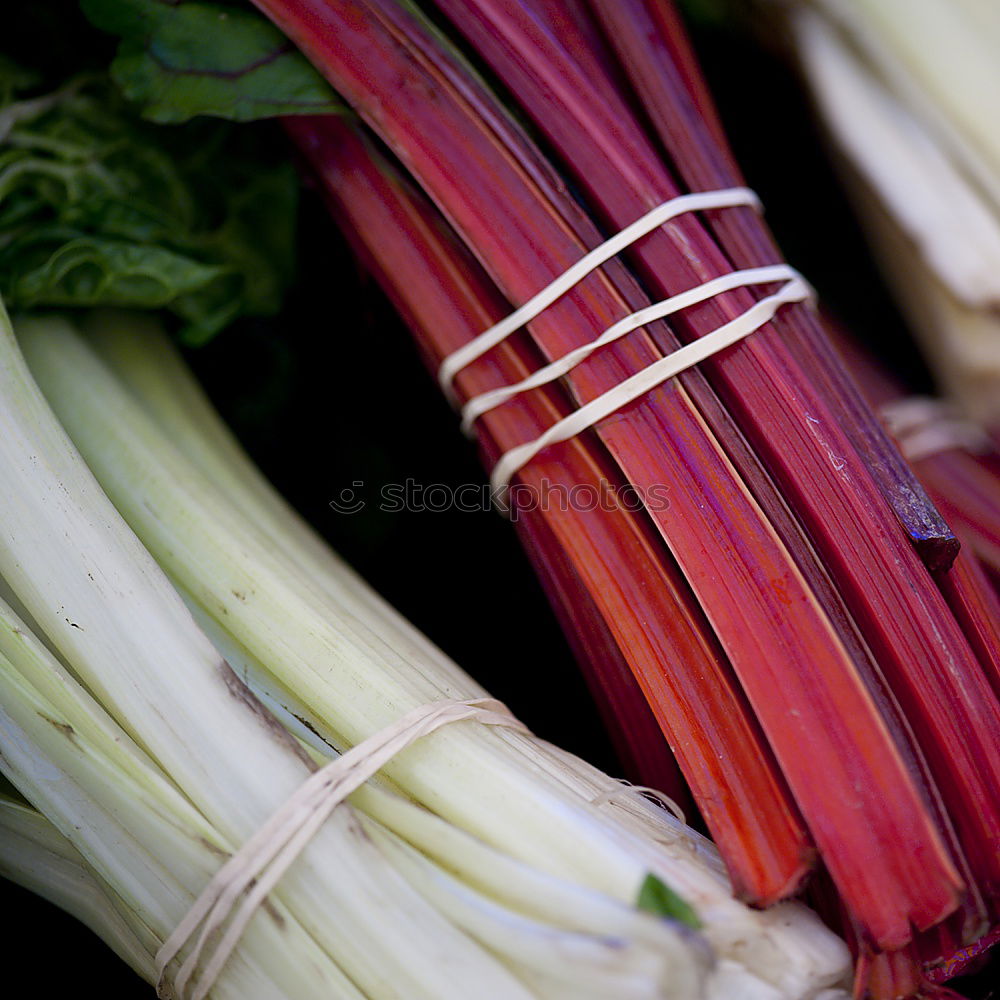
x: 762, y: 587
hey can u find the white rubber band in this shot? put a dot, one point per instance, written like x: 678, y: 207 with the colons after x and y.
x: 903, y: 416
x: 259, y: 864
x: 698, y: 202
x: 626, y: 788
x: 487, y: 401
x: 795, y: 290
x: 952, y: 435
x: 923, y: 426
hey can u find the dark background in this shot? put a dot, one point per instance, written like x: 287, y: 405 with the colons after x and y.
x: 333, y: 394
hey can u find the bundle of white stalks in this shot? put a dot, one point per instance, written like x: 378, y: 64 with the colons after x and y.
x: 908, y: 90
x: 155, y: 737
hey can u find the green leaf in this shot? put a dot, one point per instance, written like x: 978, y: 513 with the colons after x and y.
x: 180, y: 60
x: 658, y: 898
x: 53, y: 267
x: 97, y: 208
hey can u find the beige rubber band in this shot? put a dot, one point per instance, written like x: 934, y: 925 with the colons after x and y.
x: 259, y: 864
x: 625, y: 788
x: 903, y: 416
x: 486, y: 401
x: 923, y: 427
x: 698, y: 202
x: 795, y: 290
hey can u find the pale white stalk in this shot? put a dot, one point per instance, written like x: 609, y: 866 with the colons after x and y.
x: 637, y: 937
x: 535, y: 894
x: 139, y: 836
x: 727, y: 982
x: 355, y: 683
x: 510, y: 791
x: 554, y: 904
x: 957, y: 232
x: 945, y: 52
x: 36, y: 856
x: 515, y: 890
x: 785, y: 945
x: 961, y: 344
x: 908, y: 89
x: 544, y: 908
x: 556, y: 961
x: 108, y: 608
x: 133, y: 345
x: 886, y: 37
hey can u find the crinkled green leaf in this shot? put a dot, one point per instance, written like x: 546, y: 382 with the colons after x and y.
x: 657, y: 897
x: 180, y: 60
x: 54, y: 267
x: 97, y: 208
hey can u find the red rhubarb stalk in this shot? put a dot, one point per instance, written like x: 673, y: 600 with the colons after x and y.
x: 930, y: 665
x: 968, y: 487
x: 654, y: 50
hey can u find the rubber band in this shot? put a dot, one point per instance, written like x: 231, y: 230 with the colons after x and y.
x: 487, y: 401
x: 632, y: 388
x: 653, y: 795
x: 903, y: 416
x: 255, y: 869
x: 697, y: 202
x: 923, y: 427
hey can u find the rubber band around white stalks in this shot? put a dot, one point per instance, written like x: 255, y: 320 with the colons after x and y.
x: 654, y: 795
x: 923, y: 427
x: 698, y: 202
x: 255, y: 869
x: 796, y: 289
